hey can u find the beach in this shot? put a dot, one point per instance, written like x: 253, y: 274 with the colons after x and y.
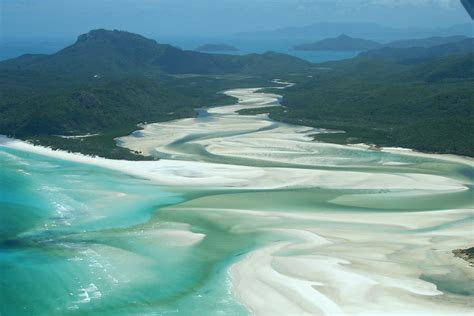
x: 296, y: 227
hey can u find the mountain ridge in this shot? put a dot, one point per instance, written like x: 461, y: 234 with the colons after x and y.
x: 104, y: 52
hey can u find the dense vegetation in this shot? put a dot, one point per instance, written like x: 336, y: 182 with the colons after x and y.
x: 38, y: 107
x: 427, y: 106
x: 413, y: 55
x: 109, y: 81
x: 83, y: 109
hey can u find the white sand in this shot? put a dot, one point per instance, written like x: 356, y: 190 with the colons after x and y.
x: 77, y: 136
x: 189, y: 173
x: 227, y: 135
x: 374, y: 274
x: 324, y: 263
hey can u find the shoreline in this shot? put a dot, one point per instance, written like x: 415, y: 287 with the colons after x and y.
x: 325, y: 261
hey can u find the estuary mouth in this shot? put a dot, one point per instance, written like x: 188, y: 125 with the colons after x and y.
x: 241, y: 208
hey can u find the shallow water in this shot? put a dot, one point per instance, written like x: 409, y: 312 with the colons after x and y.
x: 310, y: 227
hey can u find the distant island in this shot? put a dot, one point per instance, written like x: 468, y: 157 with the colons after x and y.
x: 341, y: 43
x: 217, y: 48
x: 346, y: 43
x: 370, y: 30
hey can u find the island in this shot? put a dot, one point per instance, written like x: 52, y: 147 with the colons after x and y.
x: 217, y: 48
x: 341, y: 43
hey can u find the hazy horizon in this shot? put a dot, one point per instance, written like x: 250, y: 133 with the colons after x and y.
x: 187, y: 24
x: 54, y: 19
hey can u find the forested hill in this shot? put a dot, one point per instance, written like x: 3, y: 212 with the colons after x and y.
x: 108, y: 81
x: 419, y: 54
x: 427, y: 106
x: 105, y: 53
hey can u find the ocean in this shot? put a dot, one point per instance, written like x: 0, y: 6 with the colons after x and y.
x: 76, y: 238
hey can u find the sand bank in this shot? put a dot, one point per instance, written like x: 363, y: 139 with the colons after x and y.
x: 192, y: 173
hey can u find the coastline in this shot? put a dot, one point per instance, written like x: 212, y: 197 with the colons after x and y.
x: 326, y: 261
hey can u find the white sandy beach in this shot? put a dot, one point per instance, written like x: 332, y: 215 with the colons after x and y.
x: 192, y: 173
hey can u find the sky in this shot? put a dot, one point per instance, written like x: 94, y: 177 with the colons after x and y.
x: 69, y: 18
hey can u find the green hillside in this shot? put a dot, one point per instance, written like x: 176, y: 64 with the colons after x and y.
x: 109, y: 81
x: 429, y: 106
x: 413, y: 55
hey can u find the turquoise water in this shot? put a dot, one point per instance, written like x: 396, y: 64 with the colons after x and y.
x: 81, y: 240
x: 78, y: 239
